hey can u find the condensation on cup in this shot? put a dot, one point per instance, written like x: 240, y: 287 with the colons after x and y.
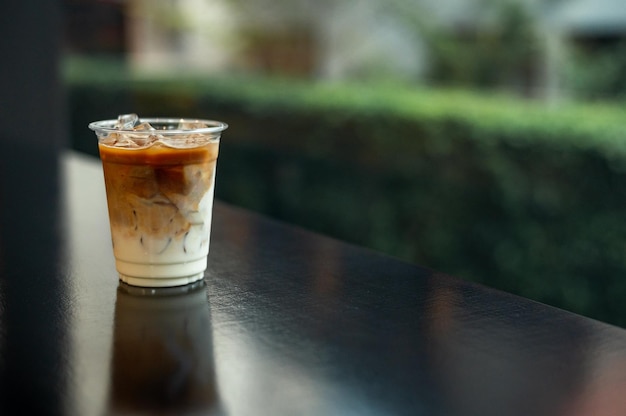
x: 160, y: 176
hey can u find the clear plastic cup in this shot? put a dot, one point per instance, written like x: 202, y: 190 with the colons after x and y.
x: 159, y: 175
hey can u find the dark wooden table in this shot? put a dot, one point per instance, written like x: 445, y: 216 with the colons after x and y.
x: 286, y: 323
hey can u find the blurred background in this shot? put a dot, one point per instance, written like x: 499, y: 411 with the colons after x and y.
x: 481, y: 138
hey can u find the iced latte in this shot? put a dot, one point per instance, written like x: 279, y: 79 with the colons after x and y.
x: 159, y: 176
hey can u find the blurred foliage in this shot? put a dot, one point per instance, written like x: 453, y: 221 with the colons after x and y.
x: 598, y: 73
x: 499, y: 47
x: 488, y: 188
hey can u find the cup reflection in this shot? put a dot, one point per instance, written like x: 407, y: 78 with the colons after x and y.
x: 163, y: 352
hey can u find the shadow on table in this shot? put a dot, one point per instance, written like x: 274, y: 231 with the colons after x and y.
x: 163, y: 352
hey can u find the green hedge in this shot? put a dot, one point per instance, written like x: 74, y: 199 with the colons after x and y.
x: 510, y: 193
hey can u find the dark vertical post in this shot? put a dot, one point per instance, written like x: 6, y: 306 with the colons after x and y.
x: 30, y: 84
x: 34, y: 309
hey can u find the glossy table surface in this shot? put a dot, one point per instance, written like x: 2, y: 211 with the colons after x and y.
x: 287, y: 322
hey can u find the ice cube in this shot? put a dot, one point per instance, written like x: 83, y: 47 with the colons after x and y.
x: 128, y: 142
x: 142, y: 140
x: 127, y: 121
x: 191, y: 125
x: 143, y: 127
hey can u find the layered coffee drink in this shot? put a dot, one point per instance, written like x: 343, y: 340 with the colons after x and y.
x: 159, y: 182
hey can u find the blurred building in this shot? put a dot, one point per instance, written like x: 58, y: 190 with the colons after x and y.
x: 593, y: 20
x: 300, y: 38
x: 350, y: 39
